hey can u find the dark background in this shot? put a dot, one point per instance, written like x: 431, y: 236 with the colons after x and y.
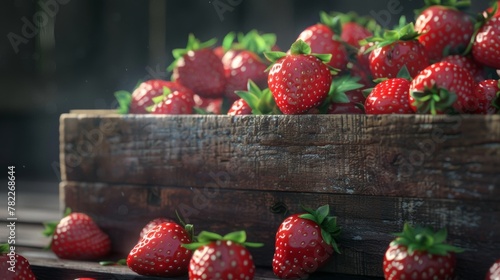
x: 84, y: 50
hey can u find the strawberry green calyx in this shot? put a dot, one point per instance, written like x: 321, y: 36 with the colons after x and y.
x: 338, y: 88
x: 260, y: 101
x: 424, y: 239
x: 298, y: 47
x: 335, y: 20
x: 192, y: 45
x: 433, y: 100
x: 405, y: 33
x: 328, y: 224
x: 4, y: 248
x: 205, y: 238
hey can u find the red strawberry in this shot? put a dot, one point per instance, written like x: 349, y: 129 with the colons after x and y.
x: 320, y: 38
x: 199, y: 68
x: 151, y: 224
x: 486, y: 46
x: 468, y: 63
x: 494, y: 271
x: 444, y: 28
x: 440, y: 86
x: 389, y: 97
x: 142, y: 97
x: 420, y: 253
x: 14, y: 266
x: 77, y: 237
x: 345, y: 97
x: 396, y: 49
x: 209, y: 105
x: 486, y: 93
x: 160, y: 251
x: 299, y: 81
x: 239, y: 107
x: 221, y: 257
x: 178, y: 102
x: 245, y: 66
x: 254, y: 101
x: 304, y: 242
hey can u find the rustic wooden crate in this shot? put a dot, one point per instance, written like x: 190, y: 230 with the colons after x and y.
x: 225, y: 173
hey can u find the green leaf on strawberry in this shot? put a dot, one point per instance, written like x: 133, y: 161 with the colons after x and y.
x: 260, y: 101
x: 433, y: 100
x: 206, y: 237
x: 193, y: 44
x: 329, y: 228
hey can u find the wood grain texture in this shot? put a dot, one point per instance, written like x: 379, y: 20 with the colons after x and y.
x: 367, y: 221
x: 401, y: 156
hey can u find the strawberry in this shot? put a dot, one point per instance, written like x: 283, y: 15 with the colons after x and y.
x: 239, y: 107
x: 142, y: 97
x: 468, y: 63
x: 440, y: 86
x: 397, y: 48
x: 304, y: 242
x: 351, y: 27
x: 321, y: 40
x: 199, y: 68
x: 344, y: 97
x: 160, y: 251
x: 151, y: 224
x: 209, y: 105
x: 486, y: 93
x: 14, y: 266
x: 444, y: 28
x: 389, y: 97
x: 178, y: 102
x: 78, y: 237
x: 299, y: 80
x: 494, y: 271
x: 486, y: 45
x: 221, y: 257
x: 255, y: 101
x: 420, y: 253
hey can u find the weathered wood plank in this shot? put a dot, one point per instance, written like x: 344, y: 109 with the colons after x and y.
x: 367, y: 221
x: 407, y: 156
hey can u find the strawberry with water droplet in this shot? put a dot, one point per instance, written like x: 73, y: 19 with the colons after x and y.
x: 299, y: 81
x: 420, y: 253
x: 304, y: 243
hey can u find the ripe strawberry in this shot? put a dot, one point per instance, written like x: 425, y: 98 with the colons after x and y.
x: 304, y: 242
x: 299, y: 81
x: 444, y: 28
x: 486, y: 45
x: 199, y: 68
x: 151, y: 224
x: 14, y: 266
x: 221, y: 257
x: 494, y: 271
x: 78, y: 237
x: 344, y: 97
x: 239, y: 107
x: 254, y: 101
x: 351, y: 27
x: 396, y: 49
x: 142, y: 97
x: 420, y: 253
x: 178, y: 102
x: 486, y: 93
x: 160, y: 251
x: 441, y: 86
x: 321, y: 40
x: 389, y: 97
x: 468, y: 63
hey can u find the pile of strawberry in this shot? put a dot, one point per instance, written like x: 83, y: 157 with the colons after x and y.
x: 446, y: 61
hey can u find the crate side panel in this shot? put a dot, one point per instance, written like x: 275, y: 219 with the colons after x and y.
x: 367, y: 221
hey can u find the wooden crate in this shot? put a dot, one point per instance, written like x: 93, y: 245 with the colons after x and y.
x: 226, y: 173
